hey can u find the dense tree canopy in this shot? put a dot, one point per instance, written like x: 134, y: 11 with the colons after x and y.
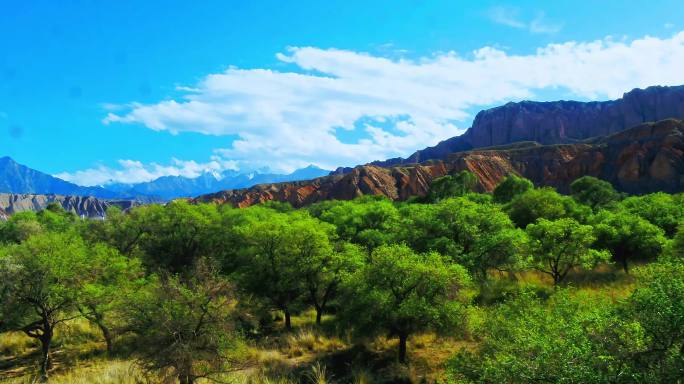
x: 545, y: 203
x: 593, y: 192
x: 400, y: 292
x: 556, y: 247
x: 182, y: 288
x: 628, y: 237
x: 186, y: 325
x: 510, y: 187
x: 452, y: 186
x: 664, y: 210
x: 41, y: 279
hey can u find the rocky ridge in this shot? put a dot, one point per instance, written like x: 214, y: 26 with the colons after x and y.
x: 86, y: 207
x: 556, y: 122
x: 645, y: 158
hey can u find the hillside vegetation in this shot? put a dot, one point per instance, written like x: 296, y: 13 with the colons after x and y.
x: 521, y: 285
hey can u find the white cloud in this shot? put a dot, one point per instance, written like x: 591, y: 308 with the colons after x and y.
x: 540, y: 25
x: 132, y: 171
x: 286, y: 120
x: 510, y: 17
x: 506, y: 16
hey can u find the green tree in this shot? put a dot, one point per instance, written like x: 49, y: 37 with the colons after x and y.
x: 323, y: 270
x: 556, y: 247
x: 368, y: 221
x: 478, y: 236
x: 176, y: 235
x: 593, y: 192
x: 628, y: 237
x: 56, y: 219
x: 510, y: 187
x: 677, y: 246
x: 41, y: 279
x: 658, y: 308
x: 526, y: 340
x: 275, y: 248
x: 544, y: 203
x: 185, y: 327
x: 120, y: 230
x: 661, y: 209
x: 400, y: 292
x: 452, y: 186
x: 20, y: 227
x: 110, y: 279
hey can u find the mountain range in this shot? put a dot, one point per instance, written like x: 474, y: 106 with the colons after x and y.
x: 635, y: 142
x: 557, y: 122
x: 550, y: 143
x: 16, y: 178
x: 19, y: 179
x: 171, y: 187
x: 645, y: 158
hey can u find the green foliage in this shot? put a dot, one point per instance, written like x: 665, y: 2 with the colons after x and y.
x: 665, y: 211
x: 477, y: 236
x: 452, y: 186
x: 184, y: 327
x: 510, y: 187
x: 628, y: 237
x: 367, y: 222
x: 400, y: 292
x: 545, y: 203
x: 40, y: 281
x: 20, y: 227
x: 658, y: 308
x: 282, y: 256
x: 323, y: 270
x: 176, y: 281
x: 560, y: 341
x: 677, y: 246
x: 110, y: 279
x: 556, y: 247
x: 594, y: 192
x: 174, y: 236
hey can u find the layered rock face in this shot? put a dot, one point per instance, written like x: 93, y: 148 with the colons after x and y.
x: 646, y: 158
x: 557, y: 122
x: 87, y: 207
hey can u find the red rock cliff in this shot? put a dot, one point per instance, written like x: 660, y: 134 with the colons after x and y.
x: 642, y: 159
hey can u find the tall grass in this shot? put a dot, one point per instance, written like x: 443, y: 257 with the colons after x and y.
x: 100, y: 372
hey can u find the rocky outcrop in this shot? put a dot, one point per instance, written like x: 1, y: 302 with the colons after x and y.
x: 557, y: 122
x: 646, y: 158
x: 87, y: 207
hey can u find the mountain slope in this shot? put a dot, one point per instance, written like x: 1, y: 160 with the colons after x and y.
x: 645, y: 158
x: 171, y: 187
x: 88, y: 207
x: 17, y: 178
x: 557, y: 122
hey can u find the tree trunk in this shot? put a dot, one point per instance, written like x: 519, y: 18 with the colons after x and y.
x: 402, y: 348
x: 46, y: 361
x: 288, y: 322
x: 107, y: 334
x: 625, y: 267
x: 319, y: 315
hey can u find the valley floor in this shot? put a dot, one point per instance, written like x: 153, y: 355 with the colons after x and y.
x: 307, y: 354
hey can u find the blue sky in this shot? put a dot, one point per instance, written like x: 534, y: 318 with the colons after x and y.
x: 131, y: 90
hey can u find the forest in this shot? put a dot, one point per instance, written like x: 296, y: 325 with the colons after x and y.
x: 520, y: 285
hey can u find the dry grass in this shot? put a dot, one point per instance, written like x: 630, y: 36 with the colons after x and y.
x: 309, y: 354
x: 307, y: 341
x: 94, y: 372
x: 16, y: 344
